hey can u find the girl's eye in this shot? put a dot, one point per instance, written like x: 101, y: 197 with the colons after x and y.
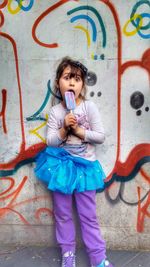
x: 66, y: 78
x: 78, y: 79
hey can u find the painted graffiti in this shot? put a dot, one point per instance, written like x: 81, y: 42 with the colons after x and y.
x: 142, y: 211
x: 137, y: 20
x: 3, y: 110
x: 93, y: 26
x: 111, y: 82
x: 11, y: 197
x: 20, y: 6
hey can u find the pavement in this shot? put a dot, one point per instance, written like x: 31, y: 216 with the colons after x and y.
x: 51, y: 257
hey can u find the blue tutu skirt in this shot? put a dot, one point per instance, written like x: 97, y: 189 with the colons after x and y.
x: 65, y: 173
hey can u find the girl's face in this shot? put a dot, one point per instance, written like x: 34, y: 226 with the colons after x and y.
x: 70, y: 81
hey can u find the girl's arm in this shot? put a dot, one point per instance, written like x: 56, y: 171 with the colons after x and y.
x: 55, y: 136
x: 96, y: 133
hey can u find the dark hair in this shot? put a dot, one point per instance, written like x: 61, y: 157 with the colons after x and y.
x: 75, y: 67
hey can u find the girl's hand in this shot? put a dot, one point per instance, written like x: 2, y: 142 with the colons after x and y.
x: 78, y: 131
x: 70, y: 121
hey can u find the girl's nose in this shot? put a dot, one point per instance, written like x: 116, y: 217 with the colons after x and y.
x: 72, y: 81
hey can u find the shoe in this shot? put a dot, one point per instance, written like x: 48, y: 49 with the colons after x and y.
x: 104, y: 263
x: 68, y: 259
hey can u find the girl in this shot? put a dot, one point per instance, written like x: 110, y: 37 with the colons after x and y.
x: 69, y: 167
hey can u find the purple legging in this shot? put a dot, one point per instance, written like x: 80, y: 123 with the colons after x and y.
x: 65, y: 229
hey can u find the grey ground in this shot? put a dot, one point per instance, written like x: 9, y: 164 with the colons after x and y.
x: 50, y: 257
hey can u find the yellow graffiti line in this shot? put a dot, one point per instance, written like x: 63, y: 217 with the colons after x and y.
x: 34, y: 131
x: 92, y: 56
x: 14, y: 11
x: 138, y: 27
x: 86, y: 32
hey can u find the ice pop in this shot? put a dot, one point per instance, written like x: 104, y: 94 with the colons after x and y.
x: 70, y: 100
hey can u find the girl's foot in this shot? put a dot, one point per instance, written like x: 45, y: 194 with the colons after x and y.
x: 104, y: 263
x: 68, y: 259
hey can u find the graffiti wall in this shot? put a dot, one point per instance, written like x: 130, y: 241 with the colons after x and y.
x: 112, y: 38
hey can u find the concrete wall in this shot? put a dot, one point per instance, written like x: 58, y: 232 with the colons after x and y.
x: 112, y: 39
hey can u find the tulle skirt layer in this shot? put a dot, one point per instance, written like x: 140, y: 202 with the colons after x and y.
x: 65, y: 173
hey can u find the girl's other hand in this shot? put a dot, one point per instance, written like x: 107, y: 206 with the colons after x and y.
x: 78, y: 131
